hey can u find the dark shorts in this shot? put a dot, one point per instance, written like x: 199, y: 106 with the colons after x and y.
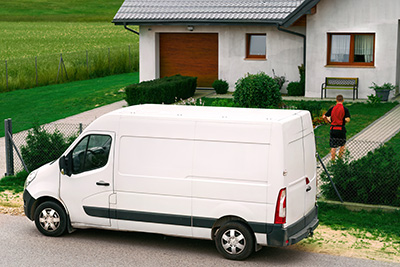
x: 337, y: 138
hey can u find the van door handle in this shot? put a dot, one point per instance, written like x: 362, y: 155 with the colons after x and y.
x: 102, y: 183
x: 308, y: 188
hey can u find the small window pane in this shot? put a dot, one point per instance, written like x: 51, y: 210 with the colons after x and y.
x: 257, y: 45
x: 340, y: 48
x: 91, y: 153
x: 363, y: 48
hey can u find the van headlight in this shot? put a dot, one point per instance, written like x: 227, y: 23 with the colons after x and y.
x: 30, y: 178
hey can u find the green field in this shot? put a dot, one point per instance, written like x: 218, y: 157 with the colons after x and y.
x: 50, y: 103
x: 67, y: 10
x: 30, y: 39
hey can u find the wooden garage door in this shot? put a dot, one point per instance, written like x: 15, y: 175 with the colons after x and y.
x: 190, y: 54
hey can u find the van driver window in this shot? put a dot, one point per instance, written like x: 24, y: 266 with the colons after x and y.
x: 91, y: 153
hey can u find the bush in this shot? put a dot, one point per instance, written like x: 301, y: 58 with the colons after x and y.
x: 257, y: 91
x: 224, y: 103
x: 165, y: 90
x: 220, y: 86
x: 43, y: 147
x: 314, y: 107
x: 295, y: 89
x: 298, y: 88
x: 373, y: 179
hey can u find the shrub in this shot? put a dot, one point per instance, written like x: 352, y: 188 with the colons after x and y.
x: 373, y: 179
x: 314, y: 107
x: 298, y: 88
x: 43, y: 147
x: 224, y: 103
x: 257, y: 91
x: 280, y: 80
x: 165, y: 90
x: 220, y: 86
x: 295, y: 89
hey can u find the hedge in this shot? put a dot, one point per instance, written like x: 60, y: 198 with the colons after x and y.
x: 165, y: 90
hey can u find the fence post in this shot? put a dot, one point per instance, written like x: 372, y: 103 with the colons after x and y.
x: 9, y: 148
x: 6, y: 77
x: 80, y: 128
x: 37, y: 84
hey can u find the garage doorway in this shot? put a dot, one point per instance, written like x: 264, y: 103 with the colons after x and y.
x: 190, y: 54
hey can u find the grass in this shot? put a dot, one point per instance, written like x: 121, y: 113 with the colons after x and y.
x: 13, y: 183
x: 30, y: 39
x: 50, y: 103
x: 376, y: 222
x: 67, y: 10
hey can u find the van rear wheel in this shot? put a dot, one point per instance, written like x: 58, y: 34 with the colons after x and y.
x: 50, y: 219
x: 235, y: 241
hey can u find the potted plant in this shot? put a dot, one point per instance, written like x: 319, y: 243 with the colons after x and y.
x: 383, y: 91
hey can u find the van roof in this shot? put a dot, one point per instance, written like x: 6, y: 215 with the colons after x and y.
x: 212, y: 113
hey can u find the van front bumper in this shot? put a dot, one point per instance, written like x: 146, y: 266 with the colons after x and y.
x: 279, y: 236
x: 28, y: 203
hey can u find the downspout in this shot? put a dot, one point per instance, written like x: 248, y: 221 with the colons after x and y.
x: 298, y: 34
x: 129, y: 29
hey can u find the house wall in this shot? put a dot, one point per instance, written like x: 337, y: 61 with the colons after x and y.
x: 284, y: 51
x: 358, y: 16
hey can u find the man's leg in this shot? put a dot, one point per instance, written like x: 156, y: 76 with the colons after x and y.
x: 333, y: 153
x: 341, y: 151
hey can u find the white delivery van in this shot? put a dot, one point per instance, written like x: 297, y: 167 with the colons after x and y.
x: 243, y: 177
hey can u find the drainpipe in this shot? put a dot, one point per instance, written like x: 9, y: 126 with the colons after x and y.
x: 298, y: 34
x: 129, y: 29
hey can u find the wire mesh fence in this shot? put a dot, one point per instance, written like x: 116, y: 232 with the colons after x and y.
x: 28, y: 72
x: 365, y: 172
x: 40, y: 145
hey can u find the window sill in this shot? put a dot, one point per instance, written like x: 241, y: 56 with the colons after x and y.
x: 255, y: 59
x: 349, y: 66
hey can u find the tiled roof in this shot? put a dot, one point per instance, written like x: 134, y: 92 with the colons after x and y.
x: 206, y: 11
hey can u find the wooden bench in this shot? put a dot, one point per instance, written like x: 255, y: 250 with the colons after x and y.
x: 340, y: 84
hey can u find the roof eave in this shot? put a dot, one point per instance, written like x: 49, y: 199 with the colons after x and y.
x: 196, y: 22
x: 303, y: 9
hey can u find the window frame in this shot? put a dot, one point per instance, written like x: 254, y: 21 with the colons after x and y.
x: 352, y: 50
x: 248, y: 38
x: 82, y: 169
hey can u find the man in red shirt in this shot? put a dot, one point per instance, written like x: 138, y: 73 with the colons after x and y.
x: 337, y: 116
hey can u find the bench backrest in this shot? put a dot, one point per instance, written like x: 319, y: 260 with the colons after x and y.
x: 329, y: 81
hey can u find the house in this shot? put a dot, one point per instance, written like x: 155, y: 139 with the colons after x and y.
x: 226, y: 39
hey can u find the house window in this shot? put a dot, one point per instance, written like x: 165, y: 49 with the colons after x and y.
x: 256, y: 46
x: 355, y: 49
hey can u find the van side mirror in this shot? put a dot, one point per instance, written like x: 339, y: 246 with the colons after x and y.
x: 65, y: 165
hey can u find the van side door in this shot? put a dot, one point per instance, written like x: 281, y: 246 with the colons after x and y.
x: 86, y: 192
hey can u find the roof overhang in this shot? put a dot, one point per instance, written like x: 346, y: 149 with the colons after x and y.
x: 303, y: 9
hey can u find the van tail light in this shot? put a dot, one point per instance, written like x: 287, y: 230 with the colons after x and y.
x: 307, y: 180
x: 280, y: 211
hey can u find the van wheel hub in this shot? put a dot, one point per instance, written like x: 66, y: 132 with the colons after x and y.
x: 49, y: 219
x: 233, y: 241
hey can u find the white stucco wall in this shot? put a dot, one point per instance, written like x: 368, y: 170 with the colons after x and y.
x: 284, y: 51
x: 353, y: 16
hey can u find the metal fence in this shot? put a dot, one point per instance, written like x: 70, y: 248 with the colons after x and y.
x: 367, y: 172
x: 14, y: 146
x: 28, y: 72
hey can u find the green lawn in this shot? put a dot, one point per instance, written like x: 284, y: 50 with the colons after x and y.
x: 30, y: 39
x: 46, y: 104
x: 67, y: 10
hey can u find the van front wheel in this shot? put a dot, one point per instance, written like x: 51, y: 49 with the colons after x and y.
x: 50, y: 219
x: 235, y: 241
